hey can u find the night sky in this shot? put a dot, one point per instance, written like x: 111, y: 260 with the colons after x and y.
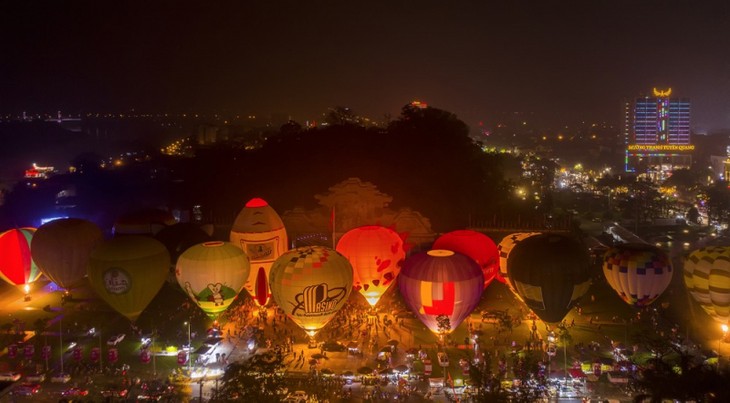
x: 563, y: 61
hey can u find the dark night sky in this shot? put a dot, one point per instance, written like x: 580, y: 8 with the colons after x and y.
x: 562, y: 60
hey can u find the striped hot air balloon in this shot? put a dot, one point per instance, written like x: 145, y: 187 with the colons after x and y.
x: 639, y: 273
x: 707, y: 277
x: 441, y: 283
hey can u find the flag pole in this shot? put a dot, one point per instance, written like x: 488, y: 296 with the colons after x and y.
x: 333, y: 227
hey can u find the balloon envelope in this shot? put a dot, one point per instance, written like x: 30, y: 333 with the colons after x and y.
x: 17, y: 266
x: 441, y: 283
x: 127, y: 272
x: 376, y: 254
x: 61, y: 248
x: 550, y: 274
x: 212, y: 274
x: 707, y: 277
x: 639, y: 273
x: 311, y: 284
x: 260, y: 233
x: 477, y: 246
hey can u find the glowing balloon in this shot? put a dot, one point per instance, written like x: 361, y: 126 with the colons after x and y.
x: 212, y: 274
x: 260, y: 233
x: 707, y: 277
x: 475, y: 245
x: 311, y: 284
x: 549, y: 272
x: 639, y: 273
x: 504, y: 248
x: 127, y: 272
x: 376, y: 254
x: 441, y: 283
x: 61, y: 248
x: 16, y: 263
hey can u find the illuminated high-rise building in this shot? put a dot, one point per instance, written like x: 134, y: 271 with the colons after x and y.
x: 657, y: 134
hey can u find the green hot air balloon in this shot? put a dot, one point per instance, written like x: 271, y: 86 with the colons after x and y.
x: 127, y: 272
x: 549, y: 272
x: 212, y: 274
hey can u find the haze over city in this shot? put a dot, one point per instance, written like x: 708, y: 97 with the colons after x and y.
x: 558, y: 62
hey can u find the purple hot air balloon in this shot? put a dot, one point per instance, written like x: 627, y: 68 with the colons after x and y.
x: 441, y: 282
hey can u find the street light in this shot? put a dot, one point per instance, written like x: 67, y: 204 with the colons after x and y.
x: 724, y: 334
x: 190, y: 349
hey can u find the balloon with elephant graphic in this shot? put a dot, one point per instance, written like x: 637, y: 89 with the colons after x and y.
x: 127, y: 272
x: 212, y: 275
x: 311, y: 284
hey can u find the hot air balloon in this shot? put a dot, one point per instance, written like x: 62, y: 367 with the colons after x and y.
x: 639, y: 273
x: 549, y: 272
x: 707, y: 277
x: 212, y: 274
x: 504, y: 248
x: 376, y: 254
x: 475, y: 245
x: 259, y: 231
x: 441, y: 283
x: 143, y: 222
x: 311, y: 284
x: 61, y: 249
x: 127, y: 272
x: 16, y: 263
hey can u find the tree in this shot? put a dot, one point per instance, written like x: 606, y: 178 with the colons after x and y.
x: 444, y: 326
x: 717, y: 197
x: 258, y: 379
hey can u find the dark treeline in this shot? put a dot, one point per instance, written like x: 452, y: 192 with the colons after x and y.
x: 424, y: 159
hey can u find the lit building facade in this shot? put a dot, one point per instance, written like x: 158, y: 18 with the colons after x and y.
x: 657, y: 135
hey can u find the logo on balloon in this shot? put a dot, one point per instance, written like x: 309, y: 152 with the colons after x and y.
x: 317, y: 300
x: 258, y: 251
x: 117, y: 281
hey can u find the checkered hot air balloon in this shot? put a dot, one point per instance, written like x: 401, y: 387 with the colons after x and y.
x: 549, y: 272
x: 376, y: 254
x: 311, y: 284
x: 477, y: 246
x: 441, y: 283
x: 707, y: 277
x: 639, y: 273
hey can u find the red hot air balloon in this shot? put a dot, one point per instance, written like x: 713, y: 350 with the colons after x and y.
x: 16, y: 264
x: 376, y: 255
x: 441, y: 283
x: 475, y: 245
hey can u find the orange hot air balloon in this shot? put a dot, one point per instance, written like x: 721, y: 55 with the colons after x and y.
x: 16, y: 263
x: 311, y: 284
x: 376, y: 254
x: 61, y: 248
x: 127, y: 272
x: 259, y: 231
x: 475, y: 245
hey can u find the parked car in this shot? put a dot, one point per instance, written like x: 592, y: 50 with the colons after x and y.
x: 114, y: 340
x: 9, y: 376
x: 298, y: 396
x: 114, y: 392
x: 61, y: 378
x: 35, y: 378
x: 75, y: 392
x: 333, y: 346
x: 26, y: 389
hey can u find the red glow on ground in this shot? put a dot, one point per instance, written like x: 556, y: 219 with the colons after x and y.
x: 257, y: 202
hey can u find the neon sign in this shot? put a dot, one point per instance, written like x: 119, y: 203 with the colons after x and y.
x: 662, y: 93
x: 661, y: 147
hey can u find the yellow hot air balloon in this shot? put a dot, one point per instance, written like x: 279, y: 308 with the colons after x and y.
x: 311, y: 284
x: 127, y: 272
x: 212, y: 274
x: 707, y: 277
x: 61, y: 249
x: 260, y: 233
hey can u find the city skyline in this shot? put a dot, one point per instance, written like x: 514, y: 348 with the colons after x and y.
x: 558, y: 62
